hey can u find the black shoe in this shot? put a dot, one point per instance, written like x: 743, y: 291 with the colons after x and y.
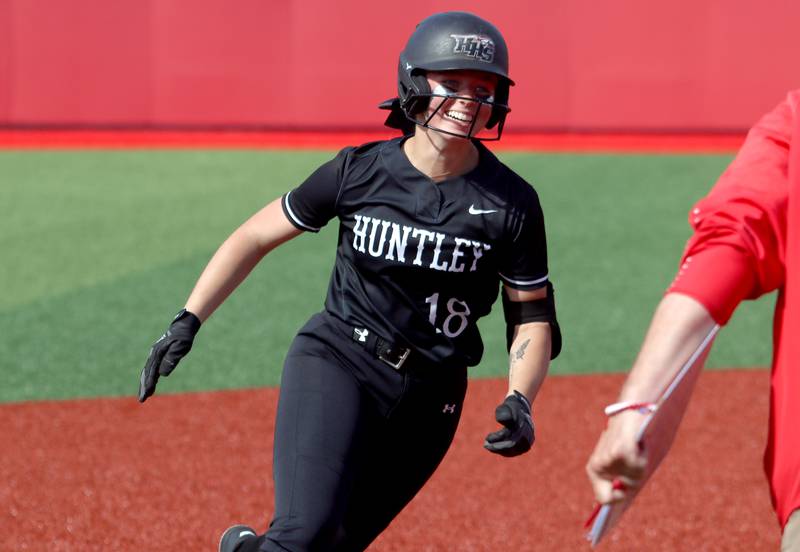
x: 234, y: 536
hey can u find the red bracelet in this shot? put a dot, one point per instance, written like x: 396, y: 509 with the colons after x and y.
x: 641, y: 407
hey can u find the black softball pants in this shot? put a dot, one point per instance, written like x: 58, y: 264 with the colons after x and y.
x: 355, y: 439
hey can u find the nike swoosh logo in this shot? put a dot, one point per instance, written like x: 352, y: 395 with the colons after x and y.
x: 474, y: 211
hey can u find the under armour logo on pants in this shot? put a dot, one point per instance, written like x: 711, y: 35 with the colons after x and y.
x: 449, y: 409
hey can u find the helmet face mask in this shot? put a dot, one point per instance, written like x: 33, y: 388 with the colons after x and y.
x: 476, y: 107
x: 453, y: 41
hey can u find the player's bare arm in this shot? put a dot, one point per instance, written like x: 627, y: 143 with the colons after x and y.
x: 679, y: 325
x: 229, y: 266
x: 529, y: 358
x: 237, y: 257
x: 529, y: 354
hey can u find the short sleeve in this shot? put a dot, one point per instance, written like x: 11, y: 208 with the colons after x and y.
x: 738, y: 247
x: 524, y: 259
x: 312, y: 205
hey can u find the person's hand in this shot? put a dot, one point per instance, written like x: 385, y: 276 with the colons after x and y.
x: 617, y: 463
x: 168, y: 351
x: 517, y: 435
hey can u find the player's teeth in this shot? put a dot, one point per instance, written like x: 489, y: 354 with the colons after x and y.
x: 458, y: 116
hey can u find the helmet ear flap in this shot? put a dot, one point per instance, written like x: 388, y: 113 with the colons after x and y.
x: 412, y: 88
x: 422, y: 96
x: 500, y: 109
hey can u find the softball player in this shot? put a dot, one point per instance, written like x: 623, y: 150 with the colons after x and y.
x: 430, y: 225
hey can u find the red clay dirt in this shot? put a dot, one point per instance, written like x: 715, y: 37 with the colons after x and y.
x: 113, y: 475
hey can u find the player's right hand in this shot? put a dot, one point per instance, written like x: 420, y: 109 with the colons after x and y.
x: 168, y: 351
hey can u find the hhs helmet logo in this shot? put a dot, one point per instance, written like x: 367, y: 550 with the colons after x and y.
x: 479, y: 47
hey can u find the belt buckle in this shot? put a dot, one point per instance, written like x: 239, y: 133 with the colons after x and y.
x: 399, y: 363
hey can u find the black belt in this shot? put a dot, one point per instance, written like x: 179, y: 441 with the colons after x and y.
x: 388, y: 352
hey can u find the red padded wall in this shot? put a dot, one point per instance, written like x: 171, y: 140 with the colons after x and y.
x: 6, y: 56
x: 85, y: 62
x: 684, y: 65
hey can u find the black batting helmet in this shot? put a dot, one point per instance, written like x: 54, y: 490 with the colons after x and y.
x: 451, y: 41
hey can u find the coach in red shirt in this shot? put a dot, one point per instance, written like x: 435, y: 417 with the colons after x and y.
x: 745, y: 244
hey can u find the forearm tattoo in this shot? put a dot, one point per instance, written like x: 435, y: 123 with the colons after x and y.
x: 519, y: 354
x: 516, y: 355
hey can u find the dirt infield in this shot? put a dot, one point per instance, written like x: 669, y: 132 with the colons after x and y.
x: 111, y: 475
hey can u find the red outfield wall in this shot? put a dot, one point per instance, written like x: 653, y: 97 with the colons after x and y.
x: 694, y: 65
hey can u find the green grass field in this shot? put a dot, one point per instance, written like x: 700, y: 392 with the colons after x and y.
x: 100, y: 249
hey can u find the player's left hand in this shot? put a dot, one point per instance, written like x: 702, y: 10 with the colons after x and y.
x: 517, y: 435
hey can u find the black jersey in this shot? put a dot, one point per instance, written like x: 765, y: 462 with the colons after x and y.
x: 419, y: 262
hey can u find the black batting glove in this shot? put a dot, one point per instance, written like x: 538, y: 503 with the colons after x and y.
x: 517, y: 435
x: 168, y: 351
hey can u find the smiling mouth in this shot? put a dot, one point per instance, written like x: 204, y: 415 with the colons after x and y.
x: 458, y: 116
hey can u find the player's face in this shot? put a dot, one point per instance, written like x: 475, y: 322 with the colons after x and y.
x: 456, y: 106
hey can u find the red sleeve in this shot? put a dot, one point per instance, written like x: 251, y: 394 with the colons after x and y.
x: 738, y: 248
